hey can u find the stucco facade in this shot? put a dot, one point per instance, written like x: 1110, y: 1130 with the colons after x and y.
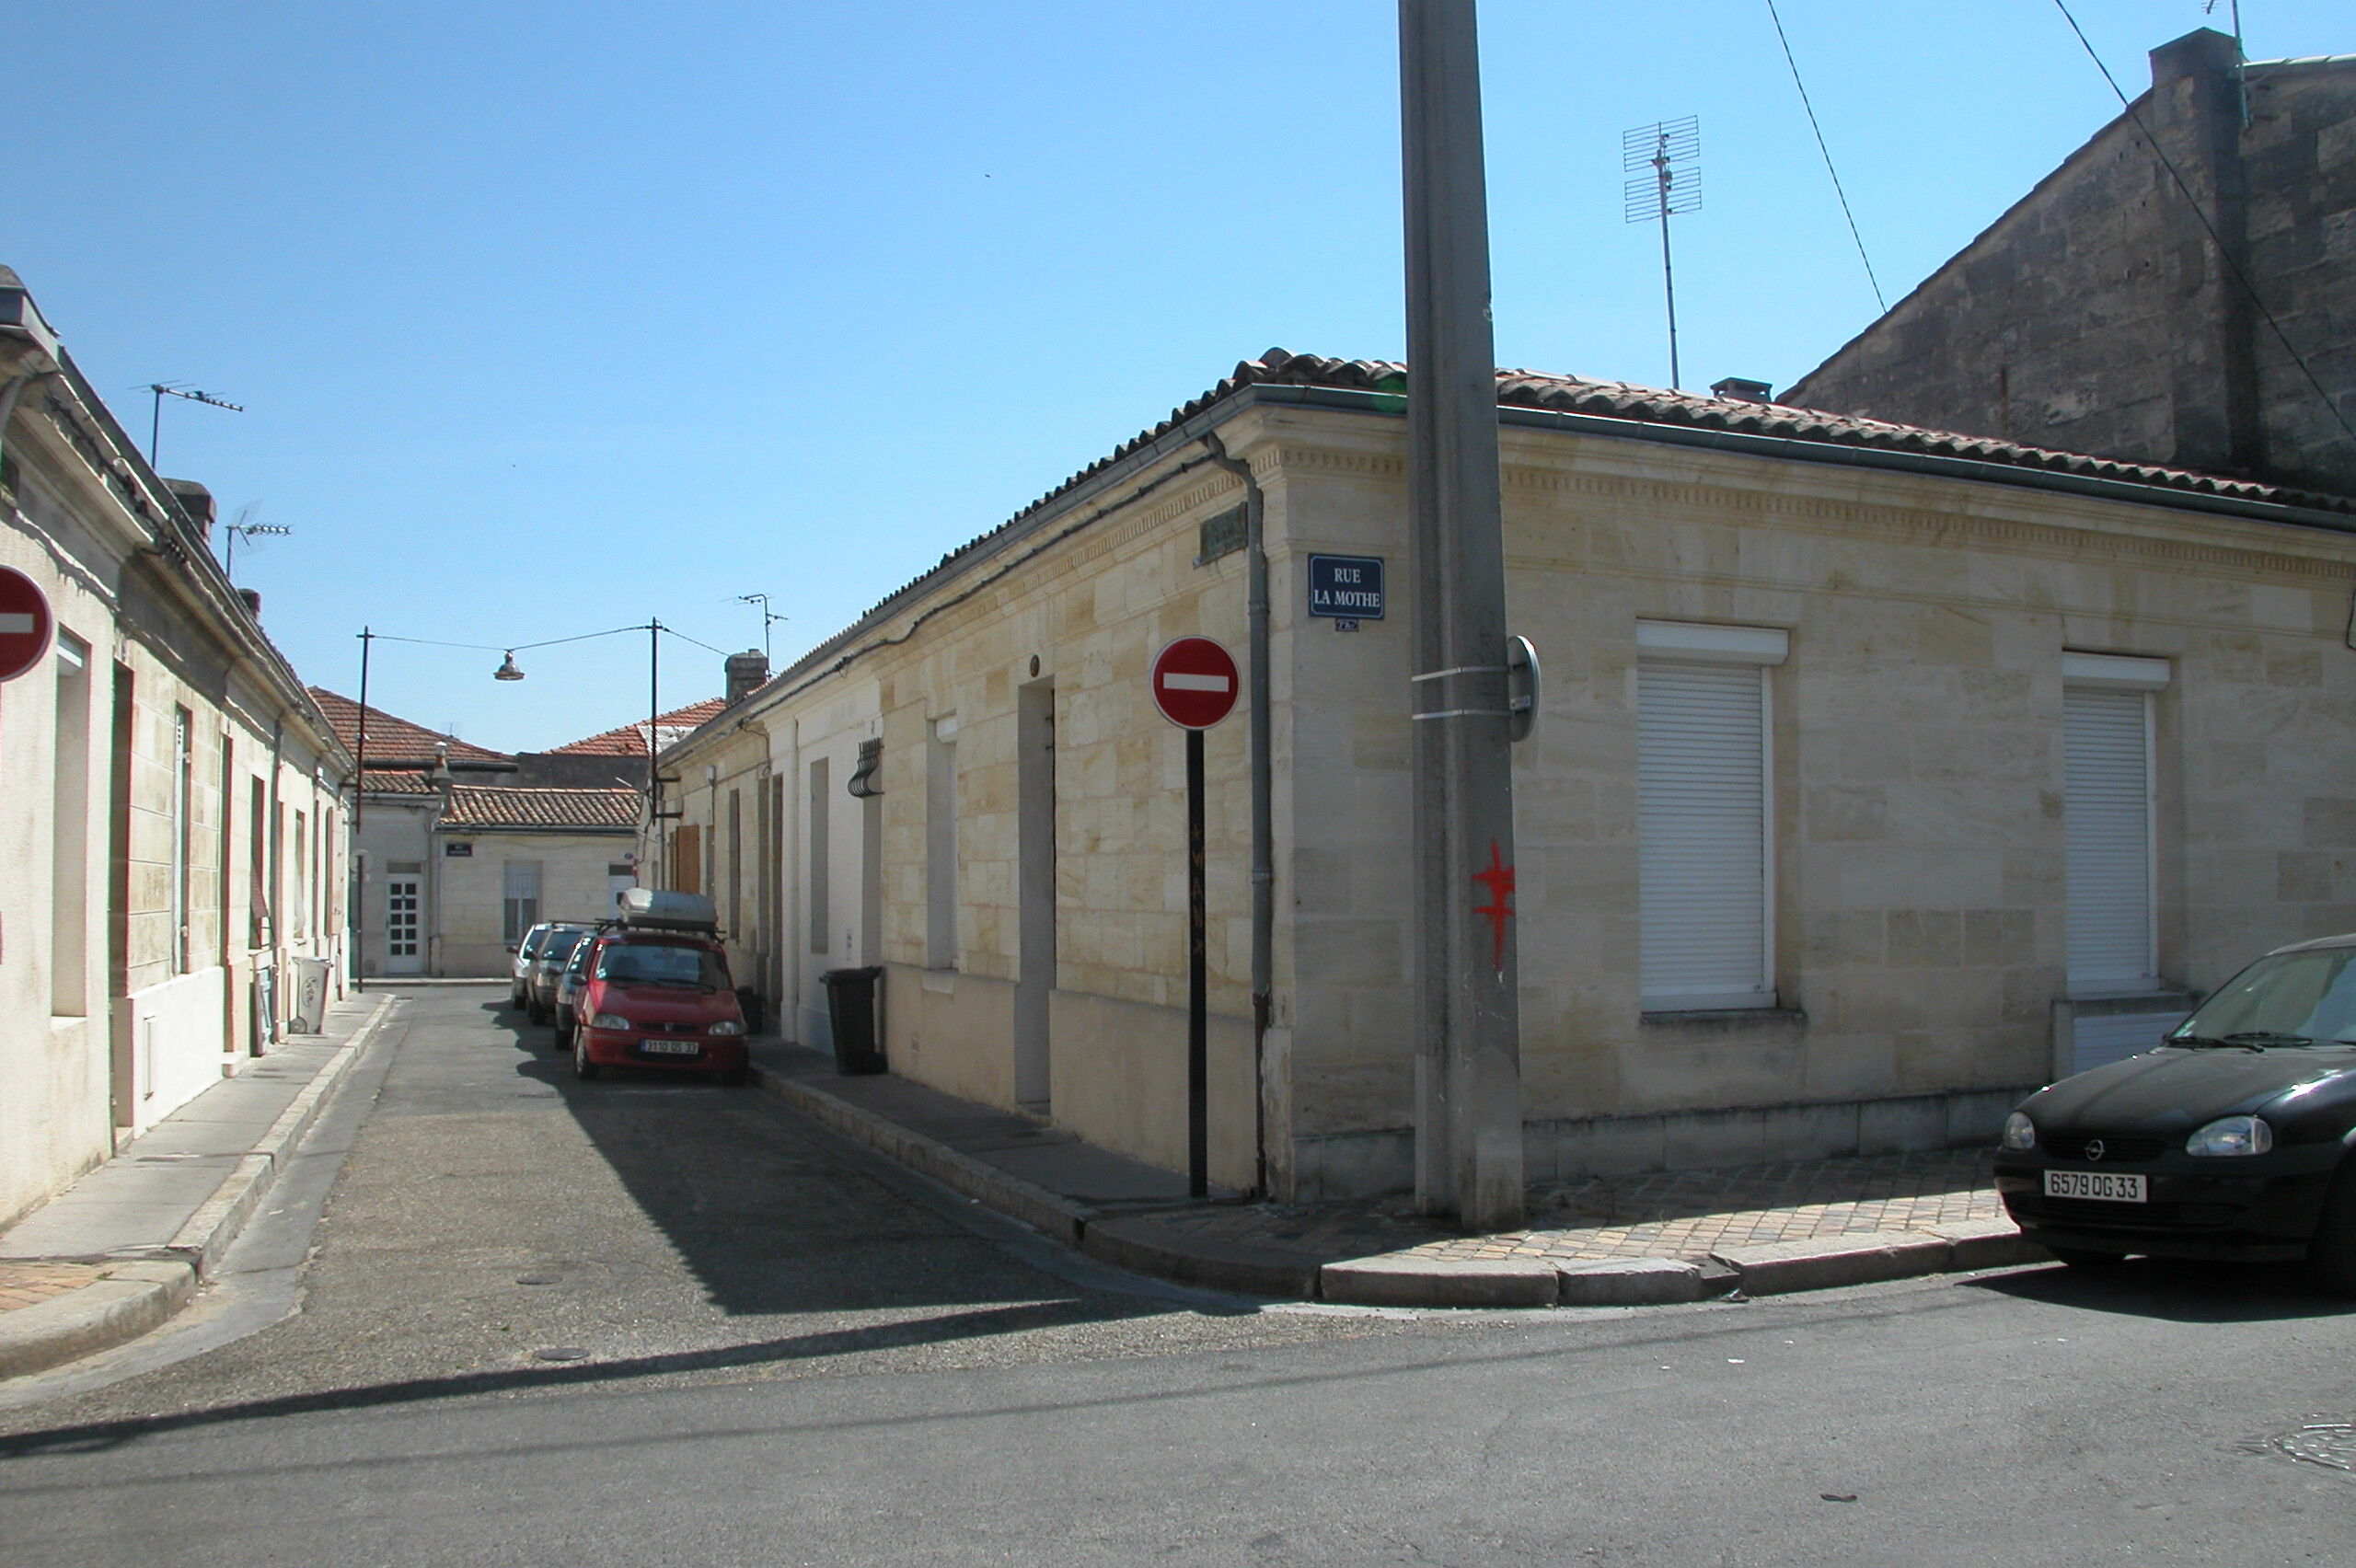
x: 175, y: 822
x: 1914, y: 854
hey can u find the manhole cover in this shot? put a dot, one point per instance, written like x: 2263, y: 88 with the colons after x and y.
x: 561, y: 1353
x: 2329, y: 1442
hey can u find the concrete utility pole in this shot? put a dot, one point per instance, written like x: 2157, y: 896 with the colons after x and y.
x: 1468, y: 1088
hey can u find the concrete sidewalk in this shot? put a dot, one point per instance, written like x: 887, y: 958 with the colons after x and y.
x: 125, y: 1247
x: 1675, y: 1236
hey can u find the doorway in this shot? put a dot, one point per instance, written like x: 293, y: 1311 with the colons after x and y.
x: 402, y: 953
x: 1035, y: 974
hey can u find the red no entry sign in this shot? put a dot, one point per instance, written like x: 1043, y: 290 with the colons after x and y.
x: 1195, y: 683
x: 25, y: 624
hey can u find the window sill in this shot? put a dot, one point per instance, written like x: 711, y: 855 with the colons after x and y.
x: 1721, y: 1017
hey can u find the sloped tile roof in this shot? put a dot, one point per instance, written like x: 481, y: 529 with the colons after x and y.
x: 486, y: 806
x: 396, y: 781
x: 390, y: 738
x: 1655, y: 406
x: 631, y: 739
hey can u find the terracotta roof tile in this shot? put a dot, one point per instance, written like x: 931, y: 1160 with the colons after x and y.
x: 390, y: 738
x: 485, y: 806
x: 631, y: 739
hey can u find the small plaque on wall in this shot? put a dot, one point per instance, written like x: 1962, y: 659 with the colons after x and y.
x: 459, y: 849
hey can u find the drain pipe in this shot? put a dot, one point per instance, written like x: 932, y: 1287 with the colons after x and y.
x: 1264, y: 872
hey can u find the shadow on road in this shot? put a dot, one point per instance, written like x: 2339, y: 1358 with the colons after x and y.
x: 772, y: 1214
x: 2177, y: 1291
x: 98, y: 1436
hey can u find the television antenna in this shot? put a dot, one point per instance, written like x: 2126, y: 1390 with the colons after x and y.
x: 163, y: 389
x: 249, y: 532
x: 768, y: 618
x: 1664, y: 160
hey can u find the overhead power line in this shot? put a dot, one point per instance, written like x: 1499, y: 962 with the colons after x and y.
x: 1782, y: 38
x: 2225, y: 257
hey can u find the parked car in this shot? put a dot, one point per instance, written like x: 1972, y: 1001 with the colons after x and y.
x: 654, y: 992
x: 526, y: 953
x: 2231, y: 1141
x: 540, y: 983
x: 568, y: 992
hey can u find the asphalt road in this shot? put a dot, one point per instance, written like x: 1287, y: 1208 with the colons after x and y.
x: 775, y: 1349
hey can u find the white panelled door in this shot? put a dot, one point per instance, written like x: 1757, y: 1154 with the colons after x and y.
x: 403, y: 951
x: 2107, y: 741
x: 1702, y: 826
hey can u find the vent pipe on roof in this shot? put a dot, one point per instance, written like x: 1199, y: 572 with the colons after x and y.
x: 1742, y: 390
x: 252, y: 597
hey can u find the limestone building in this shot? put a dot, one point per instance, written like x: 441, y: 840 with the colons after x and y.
x: 462, y: 848
x: 1880, y: 775
x: 173, y: 836
x: 2181, y: 291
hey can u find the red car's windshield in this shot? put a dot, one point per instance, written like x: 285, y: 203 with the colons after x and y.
x: 662, y: 963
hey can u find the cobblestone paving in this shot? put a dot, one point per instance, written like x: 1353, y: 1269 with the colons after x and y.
x: 22, y: 1284
x: 1678, y: 1213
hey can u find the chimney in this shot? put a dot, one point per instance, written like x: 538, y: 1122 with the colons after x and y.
x: 1741, y: 390
x: 747, y: 673
x: 197, y: 502
x: 252, y: 597
x: 2203, y: 51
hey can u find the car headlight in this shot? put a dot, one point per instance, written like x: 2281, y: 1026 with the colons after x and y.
x: 2230, y: 1135
x: 2019, y: 1131
x: 728, y: 1026
x: 609, y: 1021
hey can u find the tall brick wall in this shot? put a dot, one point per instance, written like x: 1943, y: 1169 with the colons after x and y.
x: 2100, y: 316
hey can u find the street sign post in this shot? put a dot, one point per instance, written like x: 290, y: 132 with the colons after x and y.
x: 26, y: 623
x: 1194, y: 684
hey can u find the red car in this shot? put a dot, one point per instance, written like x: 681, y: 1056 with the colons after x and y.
x: 655, y: 993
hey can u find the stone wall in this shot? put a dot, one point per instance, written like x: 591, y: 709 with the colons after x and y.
x: 2100, y: 316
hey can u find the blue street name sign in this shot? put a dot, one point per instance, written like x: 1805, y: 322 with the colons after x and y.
x: 1346, y: 587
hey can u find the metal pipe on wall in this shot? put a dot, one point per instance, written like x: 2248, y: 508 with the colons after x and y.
x: 1261, y: 732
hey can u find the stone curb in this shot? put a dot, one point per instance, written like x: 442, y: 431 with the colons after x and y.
x: 1633, y: 1282
x: 1399, y: 1281
x: 139, y: 1294
x: 132, y: 1299
x: 1140, y: 1244
x: 1032, y: 1204
x: 216, y: 1224
x: 1826, y: 1262
x: 1147, y: 1248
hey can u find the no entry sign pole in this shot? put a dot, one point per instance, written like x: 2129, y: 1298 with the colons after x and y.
x: 1198, y: 1055
x: 1194, y: 686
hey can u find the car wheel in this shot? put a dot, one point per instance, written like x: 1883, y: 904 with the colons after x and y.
x: 582, y: 1067
x: 514, y: 996
x: 2087, y: 1260
x: 563, y: 1030
x: 2331, y: 1254
x: 536, y: 1013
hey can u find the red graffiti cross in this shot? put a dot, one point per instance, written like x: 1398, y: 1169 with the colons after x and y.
x: 1498, y: 879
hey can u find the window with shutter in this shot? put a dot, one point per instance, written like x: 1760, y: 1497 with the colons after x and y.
x: 520, y: 899
x: 2106, y: 746
x: 1701, y: 806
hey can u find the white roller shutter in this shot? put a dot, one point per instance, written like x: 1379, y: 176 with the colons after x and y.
x: 1702, y: 811
x: 2106, y: 741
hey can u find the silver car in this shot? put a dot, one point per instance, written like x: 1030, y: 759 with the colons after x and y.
x: 547, y: 968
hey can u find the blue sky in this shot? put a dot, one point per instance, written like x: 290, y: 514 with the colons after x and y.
x: 550, y: 317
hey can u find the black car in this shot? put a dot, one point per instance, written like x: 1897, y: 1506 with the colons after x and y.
x: 2231, y: 1141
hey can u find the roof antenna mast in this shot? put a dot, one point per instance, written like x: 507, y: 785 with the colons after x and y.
x: 162, y: 390
x: 1665, y: 163
x: 768, y: 619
